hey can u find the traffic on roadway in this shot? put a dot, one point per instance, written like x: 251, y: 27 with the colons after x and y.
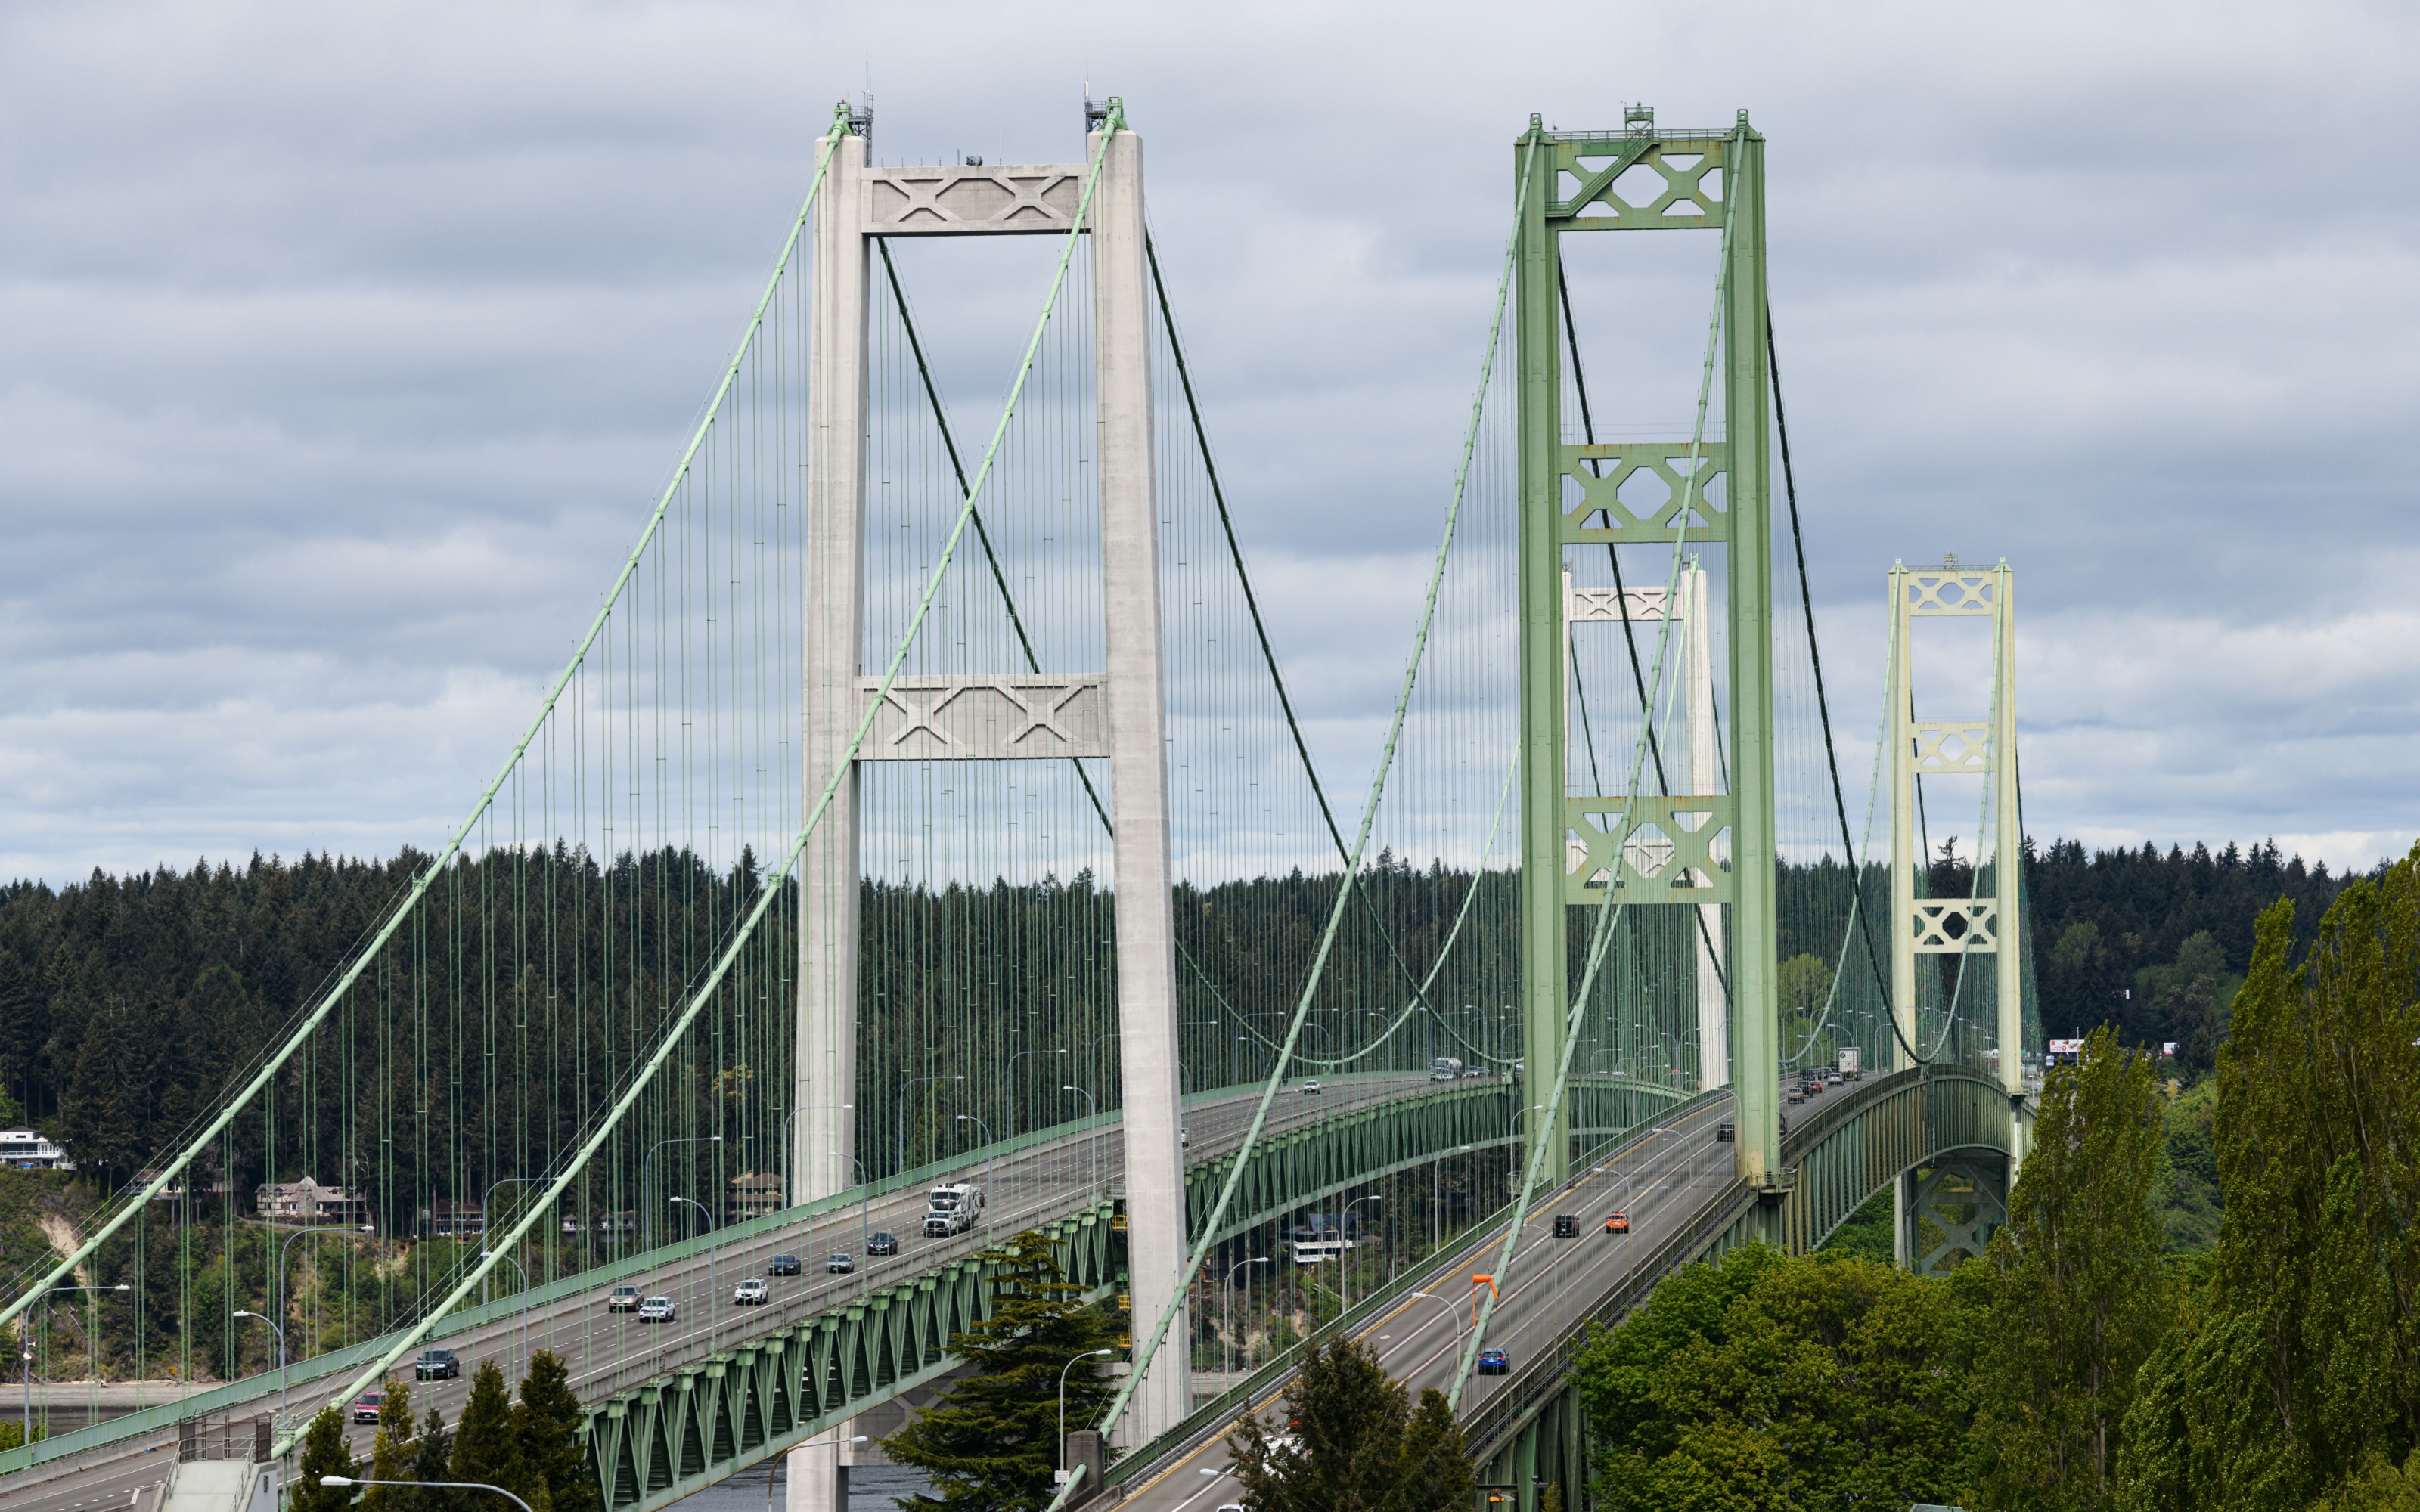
x: 610, y: 1342
x: 1557, y: 1271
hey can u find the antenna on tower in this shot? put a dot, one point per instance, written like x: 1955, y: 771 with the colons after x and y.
x: 861, y: 118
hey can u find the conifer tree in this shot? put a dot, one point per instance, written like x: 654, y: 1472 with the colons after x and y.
x: 2080, y: 1296
x: 484, y: 1451
x: 990, y: 1439
x: 1353, y: 1444
x: 393, y: 1451
x: 546, y: 1428
x: 324, y: 1453
x: 433, y: 1461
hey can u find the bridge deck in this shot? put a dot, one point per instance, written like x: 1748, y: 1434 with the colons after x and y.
x: 611, y: 1353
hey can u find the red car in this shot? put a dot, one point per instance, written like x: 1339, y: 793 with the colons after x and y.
x: 366, y: 1405
x: 1618, y: 1224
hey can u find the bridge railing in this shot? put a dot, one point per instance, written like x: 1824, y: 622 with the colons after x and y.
x: 249, y: 1390
x: 1938, y: 1121
x: 1150, y: 1458
x: 1502, y: 1413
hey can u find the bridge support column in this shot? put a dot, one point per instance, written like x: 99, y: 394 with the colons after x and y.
x: 1149, y: 1075
x: 1702, y: 849
x: 1986, y: 748
x: 823, y: 1136
x: 819, y: 1481
x: 1947, y: 1212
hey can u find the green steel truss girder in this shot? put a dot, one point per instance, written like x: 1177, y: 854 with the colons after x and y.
x: 1839, y: 1156
x: 1594, y: 511
x: 655, y: 1443
x: 1657, y: 183
x: 676, y: 1435
x: 1308, y: 1165
x: 1666, y: 849
x: 1692, y: 180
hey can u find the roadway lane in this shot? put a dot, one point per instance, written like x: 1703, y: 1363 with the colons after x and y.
x: 1420, y: 1341
x: 612, y: 1353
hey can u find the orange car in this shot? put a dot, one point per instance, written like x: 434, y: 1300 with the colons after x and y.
x: 1618, y: 1224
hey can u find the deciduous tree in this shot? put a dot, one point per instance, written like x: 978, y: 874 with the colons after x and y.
x: 2079, y: 1295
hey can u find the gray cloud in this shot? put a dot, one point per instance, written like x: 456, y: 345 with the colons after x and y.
x: 346, y: 349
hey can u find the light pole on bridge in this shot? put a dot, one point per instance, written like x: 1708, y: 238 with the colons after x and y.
x: 1227, y: 1325
x: 711, y: 1311
x: 988, y: 1152
x: 1091, y: 1149
x: 910, y: 1085
x: 647, y: 1214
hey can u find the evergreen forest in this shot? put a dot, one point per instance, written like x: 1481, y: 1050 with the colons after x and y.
x: 129, y: 1005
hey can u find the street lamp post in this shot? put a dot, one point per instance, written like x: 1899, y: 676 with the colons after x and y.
x: 1513, y: 1131
x: 646, y: 1214
x: 988, y: 1142
x: 441, y: 1485
x: 912, y: 1084
x: 280, y: 1358
x: 1091, y: 1154
x: 773, y: 1466
x: 1227, y: 1322
x: 486, y: 1207
x: 1452, y: 1313
x: 1345, y: 1258
x: 789, y: 1177
x: 865, y: 1198
x: 523, y: 1364
x: 1088, y: 1354
x: 283, y: 1249
x: 92, y: 1344
x: 702, y: 1213
x: 1011, y: 1073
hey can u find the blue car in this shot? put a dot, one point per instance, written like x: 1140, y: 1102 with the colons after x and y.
x: 1492, y: 1362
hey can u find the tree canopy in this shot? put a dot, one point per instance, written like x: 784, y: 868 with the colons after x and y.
x: 990, y: 1439
x: 1354, y: 1443
x: 1760, y: 1380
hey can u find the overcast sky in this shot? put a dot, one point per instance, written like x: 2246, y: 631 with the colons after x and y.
x: 343, y: 348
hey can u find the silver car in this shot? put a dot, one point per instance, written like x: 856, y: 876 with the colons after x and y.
x: 656, y: 1310
x: 751, y: 1293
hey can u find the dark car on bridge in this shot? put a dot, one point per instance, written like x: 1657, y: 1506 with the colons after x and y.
x: 1567, y: 1226
x: 1492, y: 1363
x: 437, y: 1365
x: 882, y: 1241
x: 783, y: 1265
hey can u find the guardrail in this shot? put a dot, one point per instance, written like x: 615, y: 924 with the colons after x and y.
x: 1485, y: 1430
x: 252, y: 1389
x: 1150, y: 1458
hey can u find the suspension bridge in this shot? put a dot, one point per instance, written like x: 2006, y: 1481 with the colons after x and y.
x: 928, y: 805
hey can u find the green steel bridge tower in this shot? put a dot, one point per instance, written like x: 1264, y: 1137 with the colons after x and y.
x: 1664, y: 849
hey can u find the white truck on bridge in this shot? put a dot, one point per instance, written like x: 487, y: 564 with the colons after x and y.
x: 951, y: 1208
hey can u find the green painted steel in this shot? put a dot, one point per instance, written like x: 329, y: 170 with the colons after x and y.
x: 1747, y: 428
x: 1570, y: 496
x: 1839, y: 1156
x: 687, y: 1430
x: 1539, y: 422
x: 693, y: 1426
